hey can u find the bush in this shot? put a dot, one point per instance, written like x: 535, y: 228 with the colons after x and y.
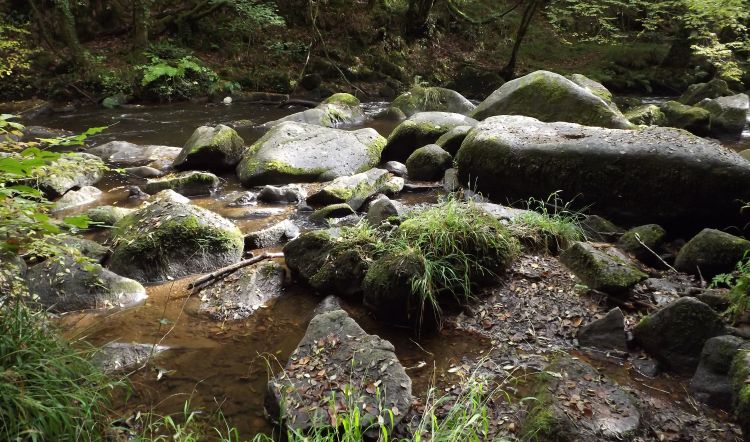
x: 178, y: 79
x: 739, y: 288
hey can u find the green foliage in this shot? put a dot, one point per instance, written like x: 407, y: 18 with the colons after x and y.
x: 16, y: 53
x: 252, y: 16
x: 176, y: 79
x: 191, y: 426
x: 739, y: 288
x: 549, y: 225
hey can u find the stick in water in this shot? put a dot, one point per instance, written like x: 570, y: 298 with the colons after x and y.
x: 224, y: 271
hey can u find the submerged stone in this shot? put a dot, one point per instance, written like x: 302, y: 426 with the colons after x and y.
x: 119, y: 356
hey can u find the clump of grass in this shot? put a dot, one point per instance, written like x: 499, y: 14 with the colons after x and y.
x: 190, y: 426
x: 549, y: 225
x: 49, y: 390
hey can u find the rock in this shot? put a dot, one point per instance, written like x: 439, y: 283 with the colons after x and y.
x: 296, y: 152
x: 125, y: 154
x: 450, y: 180
x: 337, y: 110
x: 740, y: 378
x: 34, y: 133
x: 514, y: 158
x: 64, y: 284
x: 745, y: 154
x: 394, y: 185
x: 217, y: 149
x: 598, y: 229
x: 114, y: 101
x: 420, y: 130
x: 675, y: 335
x: 711, y: 252
x: 610, y: 414
x: 697, y: 92
x: 240, y: 294
x: 69, y: 171
x: 432, y: 99
x: 595, y: 88
x: 291, y: 193
x: 638, y: 240
x: 119, y: 356
x: 563, y: 101
x: 340, y: 210
x: 242, y: 199
x: 398, y: 169
x: 353, y: 190
x: 693, y: 119
x: 169, y: 195
x: 107, y: 216
x: 717, y: 299
x: 366, y: 365
x: 276, y: 234
x: 601, y: 267
x: 647, y: 115
x: 728, y: 115
x: 74, y: 198
x: 428, y: 163
x: 186, y: 183
x: 144, y: 172
x: 451, y: 140
x: 383, y: 208
x: 77, y: 246
x: 710, y: 383
x: 502, y: 213
x: 170, y: 240
x: 607, y: 333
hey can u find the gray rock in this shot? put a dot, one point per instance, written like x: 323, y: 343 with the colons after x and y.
x: 595, y: 88
x: 274, y: 235
x: 711, y: 252
x: 676, y: 334
x: 394, y: 185
x: 740, y: 378
x: 144, y: 172
x: 169, y: 195
x: 335, y: 344
x: 170, y: 240
x: 710, y: 383
x: 291, y: 193
x: 514, y: 158
x: 107, y: 215
x: 728, y: 115
x: 451, y: 140
x: 326, y: 115
x: 428, y: 163
x: 691, y: 118
x: 607, y: 333
x: 450, y: 180
x: 241, y: 199
x: 68, y: 172
x: 420, y: 130
x: 383, y: 208
x: 187, y: 183
x: 218, y: 148
x: 240, y: 294
x: 75, y: 245
x: 339, y: 210
x: 638, y: 240
x: 432, y: 99
x: 647, y: 115
x: 601, y: 267
x: 502, y: 213
x: 398, y: 169
x: 119, y: 356
x: 712, y: 89
x: 563, y: 101
x: 74, y: 198
x: 599, y: 229
x: 297, y: 152
x: 125, y: 154
x: 114, y: 101
x: 353, y: 190
x: 64, y: 284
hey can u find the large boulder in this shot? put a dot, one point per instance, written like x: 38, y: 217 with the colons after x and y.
x: 712, y: 89
x: 646, y: 115
x: 420, y: 130
x: 218, y: 148
x: 353, y: 190
x: 66, y: 284
x: 337, y: 110
x: 711, y: 252
x: 728, y: 115
x: 70, y: 171
x: 298, y: 152
x: 691, y: 118
x: 547, y: 96
x: 74, y: 198
x: 601, y: 267
x: 428, y: 163
x: 451, y: 140
x: 338, y: 365
x: 125, y: 154
x: 193, y: 183
x: 627, y: 175
x: 676, y: 334
x: 170, y: 240
x: 595, y: 88
x: 710, y: 383
x: 432, y: 99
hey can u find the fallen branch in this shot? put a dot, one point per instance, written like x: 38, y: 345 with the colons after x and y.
x: 638, y: 238
x: 207, y: 280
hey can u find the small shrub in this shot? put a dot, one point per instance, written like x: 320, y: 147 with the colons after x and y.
x: 548, y: 225
x: 739, y: 288
x: 176, y: 79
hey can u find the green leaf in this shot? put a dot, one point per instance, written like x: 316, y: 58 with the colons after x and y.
x: 80, y: 221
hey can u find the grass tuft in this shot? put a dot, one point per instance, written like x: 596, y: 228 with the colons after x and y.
x: 549, y: 225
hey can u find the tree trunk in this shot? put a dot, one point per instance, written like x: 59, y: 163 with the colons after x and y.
x: 417, y: 16
x: 67, y: 26
x: 141, y: 18
x: 509, y: 71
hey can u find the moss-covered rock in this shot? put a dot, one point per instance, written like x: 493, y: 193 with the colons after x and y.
x: 337, y: 110
x: 728, y: 115
x: 420, y: 130
x: 599, y: 229
x: 693, y: 119
x: 352, y: 190
x: 451, y: 140
x: 218, y: 148
x: 563, y: 100
x: 342, y: 98
x: 432, y: 99
x: 339, y: 210
x: 69, y: 171
x: 602, y: 268
x: 642, y: 241
x: 646, y: 115
x: 595, y: 88
x: 676, y: 334
x: 712, y: 89
x: 710, y: 383
x: 740, y: 378
x: 187, y: 183
x: 383, y: 208
x: 711, y: 252
x: 170, y: 240
x: 77, y: 246
x: 297, y: 152
x: 428, y: 163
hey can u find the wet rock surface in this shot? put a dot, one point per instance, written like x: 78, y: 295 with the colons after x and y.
x: 710, y: 383
x: 274, y: 235
x: 282, y: 194
x: 187, y: 183
x: 606, y: 333
x: 74, y: 198
x: 120, y: 356
x: 125, y: 154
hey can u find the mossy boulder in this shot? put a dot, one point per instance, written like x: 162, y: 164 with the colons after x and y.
x: 646, y: 115
x: 126, y: 154
x: 420, y: 130
x: 107, y: 216
x: 298, y: 152
x: 602, y: 268
x: 599, y: 229
x: 691, y: 118
x: 338, y: 210
x: 728, y: 115
x: 383, y: 208
x: 595, y: 88
x: 712, y: 89
x: 115, y: 101
x: 710, y: 383
x: 79, y: 247
x: 642, y: 241
x: 740, y: 378
x: 428, y: 163
x: 170, y: 240
x: 676, y: 334
x: 353, y: 190
x: 215, y: 148
x: 66, y: 284
x: 515, y: 158
x: 432, y: 99
x: 67, y: 172
x: 711, y: 252
x: 547, y: 96
x: 342, y: 98
x: 337, y: 110
x: 193, y: 183
x: 451, y: 140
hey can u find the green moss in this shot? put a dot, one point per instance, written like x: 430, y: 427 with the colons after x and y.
x: 332, y: 211
x: 342, y: 98
x: 190, y: 183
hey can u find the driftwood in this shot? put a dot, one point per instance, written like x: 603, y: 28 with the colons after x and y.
x: 211, y: 278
